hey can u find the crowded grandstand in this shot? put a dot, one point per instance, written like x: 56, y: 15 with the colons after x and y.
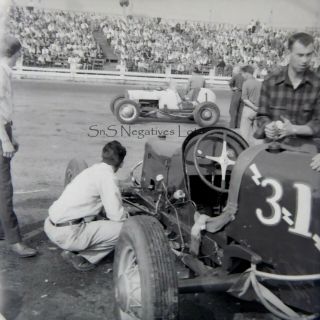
x: 55, y: 38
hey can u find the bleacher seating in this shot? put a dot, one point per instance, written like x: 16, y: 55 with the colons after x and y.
x: 60, y: 39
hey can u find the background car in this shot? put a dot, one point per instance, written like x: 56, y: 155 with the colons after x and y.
x: 166, y: 104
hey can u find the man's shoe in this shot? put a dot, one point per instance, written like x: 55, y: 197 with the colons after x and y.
x: 77, y: 261
x: 22, y: 250
x: 2, y: 236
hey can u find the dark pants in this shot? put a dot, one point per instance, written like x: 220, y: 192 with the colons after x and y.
x: 193, y: 94
x: 8, y: 219
x: 235, y: 110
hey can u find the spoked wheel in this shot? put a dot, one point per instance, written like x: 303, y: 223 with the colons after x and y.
x: 128, y: 292
x: 225, y: 146
x: 144, y: 272
x: 74, y: 167
x: 206, y: 114
x: 127, y: 111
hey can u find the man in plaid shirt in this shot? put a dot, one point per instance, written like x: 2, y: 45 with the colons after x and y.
x: 290, y: 99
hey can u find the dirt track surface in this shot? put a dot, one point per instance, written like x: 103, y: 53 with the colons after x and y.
x: 53, y: 122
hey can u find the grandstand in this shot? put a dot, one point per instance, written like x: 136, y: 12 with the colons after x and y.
x: 86, y: 41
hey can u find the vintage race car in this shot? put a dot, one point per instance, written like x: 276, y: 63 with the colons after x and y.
x: 242, y: 220
x: 166, y: 104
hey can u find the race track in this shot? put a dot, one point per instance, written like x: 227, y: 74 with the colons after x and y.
x: 55, y: 122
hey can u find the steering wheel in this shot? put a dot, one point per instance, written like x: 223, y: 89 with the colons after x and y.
x: 232, y: 145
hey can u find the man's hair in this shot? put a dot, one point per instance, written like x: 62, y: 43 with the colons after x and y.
x: 113, y: 153
x: 248, y: 69
x: 302, y: 37
x: 10, y: 46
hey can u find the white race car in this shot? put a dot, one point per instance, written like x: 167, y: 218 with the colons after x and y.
x: 166, y: 103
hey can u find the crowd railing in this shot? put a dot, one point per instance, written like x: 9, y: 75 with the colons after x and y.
x: 118, y: 76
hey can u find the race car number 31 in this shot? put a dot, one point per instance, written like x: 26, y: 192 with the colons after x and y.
x: 301, y: 224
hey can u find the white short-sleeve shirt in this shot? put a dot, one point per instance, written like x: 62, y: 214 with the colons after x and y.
x: 91, y: 190
x: 6, y: 98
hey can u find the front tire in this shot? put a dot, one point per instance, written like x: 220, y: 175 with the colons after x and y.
x: 127, y: 111
x: 74, y: 167
x: 206, y: 114
x: 115, y: 100
x: 145, y: 278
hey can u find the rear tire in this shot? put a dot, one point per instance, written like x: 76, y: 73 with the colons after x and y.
x: 115, y: 100
x: 74, y: 167
x: 145, y: 278
x: 206, y: 114
x: 127, y: 111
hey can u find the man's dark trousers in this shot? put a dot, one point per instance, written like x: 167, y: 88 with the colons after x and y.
x: 8, y: 220
x: 235, y: 109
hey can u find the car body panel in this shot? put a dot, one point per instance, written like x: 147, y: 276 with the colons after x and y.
x: 144, y: 94
x: 168, y: 98
x: 278, y: 208
x: 278, y: 217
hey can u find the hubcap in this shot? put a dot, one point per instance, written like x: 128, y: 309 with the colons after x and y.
x: 127, y: 111
x: 206, y: 114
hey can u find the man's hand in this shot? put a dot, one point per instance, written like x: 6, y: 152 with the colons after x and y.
x: 271, y: 130
x: 285, y: 129
x: 8, y: 149
x: 315, y: 163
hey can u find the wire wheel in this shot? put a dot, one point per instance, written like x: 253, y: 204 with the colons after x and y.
x: 146, y: 286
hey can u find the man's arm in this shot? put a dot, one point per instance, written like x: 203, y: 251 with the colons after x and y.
x: 232, y: 83
x: 263, y: 115
x: 7, y: 146
x: 312, y: 128
x: 111, y: 198
x: 249, y: 104
x: 289, y: 129
x: 314, y: 124
x: 4, y: 138
x: 245, y: 96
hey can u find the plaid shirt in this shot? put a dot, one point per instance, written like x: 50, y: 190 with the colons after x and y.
x: 301, y: 105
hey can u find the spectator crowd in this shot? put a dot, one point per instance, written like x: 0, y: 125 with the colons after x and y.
x: 153, y: 44
x: 146, y: 44
x: 55, y: 38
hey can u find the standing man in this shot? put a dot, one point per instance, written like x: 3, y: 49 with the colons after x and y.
x: 195, y: 83
x: 250, y: 97
x: 235, y: 110
x: 71, y: 225
x: 291, y: 95
x: 220, y: 67
x: 9, y: 227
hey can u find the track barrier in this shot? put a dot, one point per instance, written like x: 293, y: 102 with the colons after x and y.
x: 121, y: 77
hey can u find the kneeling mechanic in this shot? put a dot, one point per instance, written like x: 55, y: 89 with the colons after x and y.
x: 71, y: 224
